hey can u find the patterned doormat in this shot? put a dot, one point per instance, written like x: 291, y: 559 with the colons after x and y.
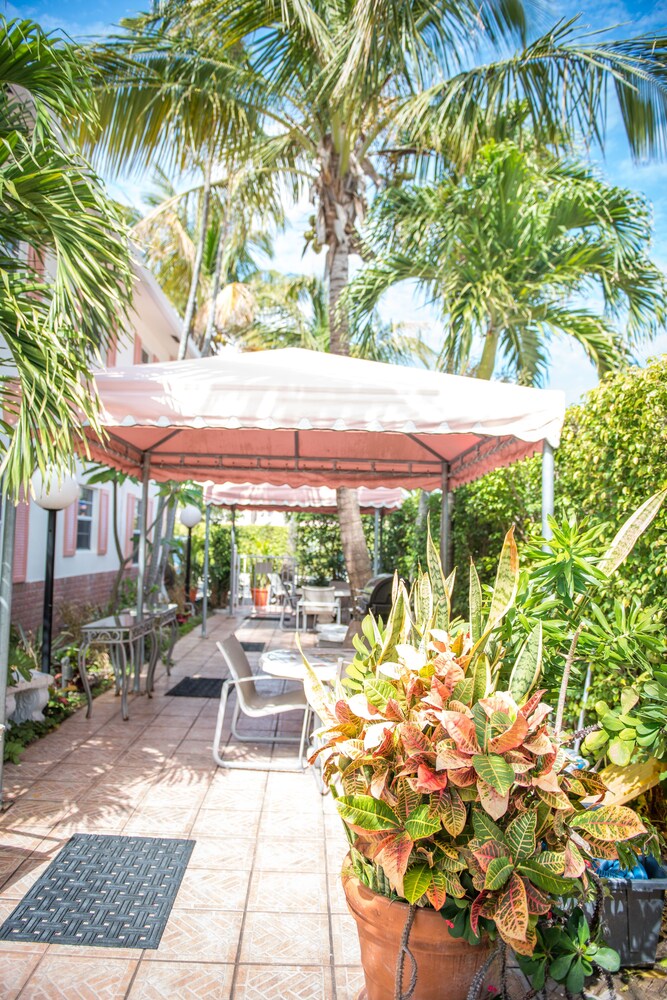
x: 252, y: 647
x: 197, y: 687
x: 115, y: 892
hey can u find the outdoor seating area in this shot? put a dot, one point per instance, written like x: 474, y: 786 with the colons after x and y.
x: 333, y: 504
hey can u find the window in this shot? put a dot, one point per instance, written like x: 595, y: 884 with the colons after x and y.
x: 84, y: 522
x: 136, y: 532
x: 145, y: 357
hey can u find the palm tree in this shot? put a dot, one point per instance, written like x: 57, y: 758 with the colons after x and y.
x: 352, y: 94
x: 513, y: 251
x: 53, y: 321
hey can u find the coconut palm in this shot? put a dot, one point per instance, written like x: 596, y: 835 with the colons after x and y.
x: 514, y: 252
x: 352, y: 93
x: 64, y: 262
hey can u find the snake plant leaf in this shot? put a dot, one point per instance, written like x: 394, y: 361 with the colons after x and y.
x: 475, y: 597
x: 366, y: 813
x: 423, y: 603
x: 398, y: 622
x: 416, y: 881
x: 528, y: 666
x: 481, y: 678
x: 318, y: 696
x: 435, y: 571
x: 630, y: 532
x: 507, y: 581
x: 609, y: 823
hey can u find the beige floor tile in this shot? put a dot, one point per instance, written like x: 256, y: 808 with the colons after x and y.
x: 285, y: 939
x: 222, y: 853
x: 212, y: 890
x: 15, y: 967
x: 171, y: 822
x: 58, y: 791
x: 75, y: 978
x: 262, y: 982
x: 199, y: 936
x: 288, y: 892
x: 349, y: 981
x: 288, y: 855
x: 226, y: 823
x: 182, y: 981
x: 337, y: 902
x: 345, y: 940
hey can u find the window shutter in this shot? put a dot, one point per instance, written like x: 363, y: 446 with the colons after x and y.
x: 20, y: 567
x: 129, y: 525
x: 69, y: 531
x: 103, y: 524
x: 138, y: 348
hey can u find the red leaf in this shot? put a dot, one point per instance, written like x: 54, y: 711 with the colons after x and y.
x: 490, y: 850
x: 414, y: 740
x: 511, y: 914
x: 475, y: 911
x: 532, y: 703
x: 492, y: 801
x: 463, y: 777
x: 393, y: 856
x: 511, y: 738
x: 462, y: 730
x: 428, y: 781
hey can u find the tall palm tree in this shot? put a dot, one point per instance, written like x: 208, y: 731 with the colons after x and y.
x: 352, y: 92
x: 514, y: 252
x: 55, y: 319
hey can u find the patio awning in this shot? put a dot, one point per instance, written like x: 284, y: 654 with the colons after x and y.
x: 316, y: 419
x: 311, y: 499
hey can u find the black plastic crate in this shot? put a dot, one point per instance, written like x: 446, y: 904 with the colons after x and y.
x: 632, y: 916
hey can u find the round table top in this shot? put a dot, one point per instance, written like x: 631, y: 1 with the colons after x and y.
x: 288, y: 664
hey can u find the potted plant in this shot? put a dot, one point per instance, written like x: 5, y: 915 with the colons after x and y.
x: 470, y: 832
x: 260, y: 583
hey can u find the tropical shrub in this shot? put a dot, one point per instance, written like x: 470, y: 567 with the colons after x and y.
x: 456, y: 789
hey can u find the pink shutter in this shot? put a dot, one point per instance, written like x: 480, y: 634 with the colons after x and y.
x: 149, y: 520
x: 70, y: 515
x: 155, y: 359
x: 112, y: 352
x: 103, y: 524
x: 129, y: 524
x: 138, y: 347
x: 20, y: 567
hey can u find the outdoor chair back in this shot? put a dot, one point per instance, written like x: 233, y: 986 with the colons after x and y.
x: 318, y: 601
x: 239, y: 667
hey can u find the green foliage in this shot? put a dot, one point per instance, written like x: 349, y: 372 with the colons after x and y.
x: 319, y: 549
x: 251, y: 539
x: 405, y: 533
x: 566, y: 953
x: 453, y: 792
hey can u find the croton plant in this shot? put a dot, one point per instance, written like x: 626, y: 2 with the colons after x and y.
x: 455, y: 789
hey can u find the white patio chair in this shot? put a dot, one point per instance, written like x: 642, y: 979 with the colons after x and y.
x: 282, y: 595
x: 256, y: 706
x: 317, y: 601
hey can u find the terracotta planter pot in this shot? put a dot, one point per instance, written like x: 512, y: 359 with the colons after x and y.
x: 260, y: 596
x: 445, y: 965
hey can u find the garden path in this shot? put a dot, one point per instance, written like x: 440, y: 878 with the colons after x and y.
x: 260, y: 914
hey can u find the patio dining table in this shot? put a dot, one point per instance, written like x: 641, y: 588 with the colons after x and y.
x: 287, y: 664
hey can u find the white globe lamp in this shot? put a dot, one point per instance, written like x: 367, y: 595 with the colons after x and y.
x: 189, y: 517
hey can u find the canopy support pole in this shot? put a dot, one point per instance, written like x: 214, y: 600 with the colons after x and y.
x: 547, y: 489
x: 445, y: 520
x: 204, y: 607
x: 141, y: 575
x: 376, y: 542
x: 232, y: 566
x: 6, y: 568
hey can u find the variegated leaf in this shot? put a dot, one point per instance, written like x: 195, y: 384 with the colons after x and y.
x: 420, y: 824
x: 633, y: 528
x: 495, y: 771
x: 492, y: 801
x: 609, y: 823
x: 520, y: 836
x: 528, y: 666
x: 507, y: 579
x: 498, y: 873
x: 511, y: 738
x: 363, y: 812
x: 394, y: 856
x: 437, y: 890
x: 452, y: 812
x: 511, y: 914
x: 416, y: 881
x: 462, y: 730
x: 475, y: 597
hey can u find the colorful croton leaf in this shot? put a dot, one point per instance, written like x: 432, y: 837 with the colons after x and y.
x: 450, y: 787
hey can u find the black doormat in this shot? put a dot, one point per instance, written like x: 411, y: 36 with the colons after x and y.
x: 197, y: 687
x: 115, y: 892
x: 253, y: 647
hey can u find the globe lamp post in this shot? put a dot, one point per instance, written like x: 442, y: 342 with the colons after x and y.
x: 189, y: 517
x: 52, y: 492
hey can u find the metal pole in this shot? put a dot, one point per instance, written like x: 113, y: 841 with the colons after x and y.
x: 445, y: 520
x: 188, y: 552
x: 204, y: 607
x: 141, y: 575
x: 232, y: 566
x: 380, y: 559
x: 47, y: 614
x: 376, y: 543
x: 547, y: 488
x: 8, y: 511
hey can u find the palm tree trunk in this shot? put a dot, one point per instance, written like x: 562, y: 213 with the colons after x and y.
x: 156, y: 548
x: 488, y: 359
x: 355, y: 550
x: 219, y: 258
x: 196, y: 268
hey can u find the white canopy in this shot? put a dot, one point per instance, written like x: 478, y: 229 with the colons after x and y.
x: 316, y: 419
x: 264, y: 496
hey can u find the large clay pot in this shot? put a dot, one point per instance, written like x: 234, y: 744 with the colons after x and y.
x: 445, y: 965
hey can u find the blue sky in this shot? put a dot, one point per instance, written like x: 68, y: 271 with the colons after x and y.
x: 569, y: 371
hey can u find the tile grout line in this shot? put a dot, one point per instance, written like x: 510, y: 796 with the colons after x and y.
x: 332, y: 957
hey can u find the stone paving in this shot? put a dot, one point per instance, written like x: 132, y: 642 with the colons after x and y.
x: 260, y: 914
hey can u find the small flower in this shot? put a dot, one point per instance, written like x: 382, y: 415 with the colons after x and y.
x: 449, y: 924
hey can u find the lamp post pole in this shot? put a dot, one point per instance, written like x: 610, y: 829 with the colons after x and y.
x: 189, y: 517
x: 54, y: 491
x: 188, y: 555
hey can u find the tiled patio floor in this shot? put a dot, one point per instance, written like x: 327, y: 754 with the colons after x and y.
x: 260, y: 914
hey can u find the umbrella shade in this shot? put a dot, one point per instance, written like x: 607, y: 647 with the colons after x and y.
x: 313, y: 499
x: 316, y: 419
